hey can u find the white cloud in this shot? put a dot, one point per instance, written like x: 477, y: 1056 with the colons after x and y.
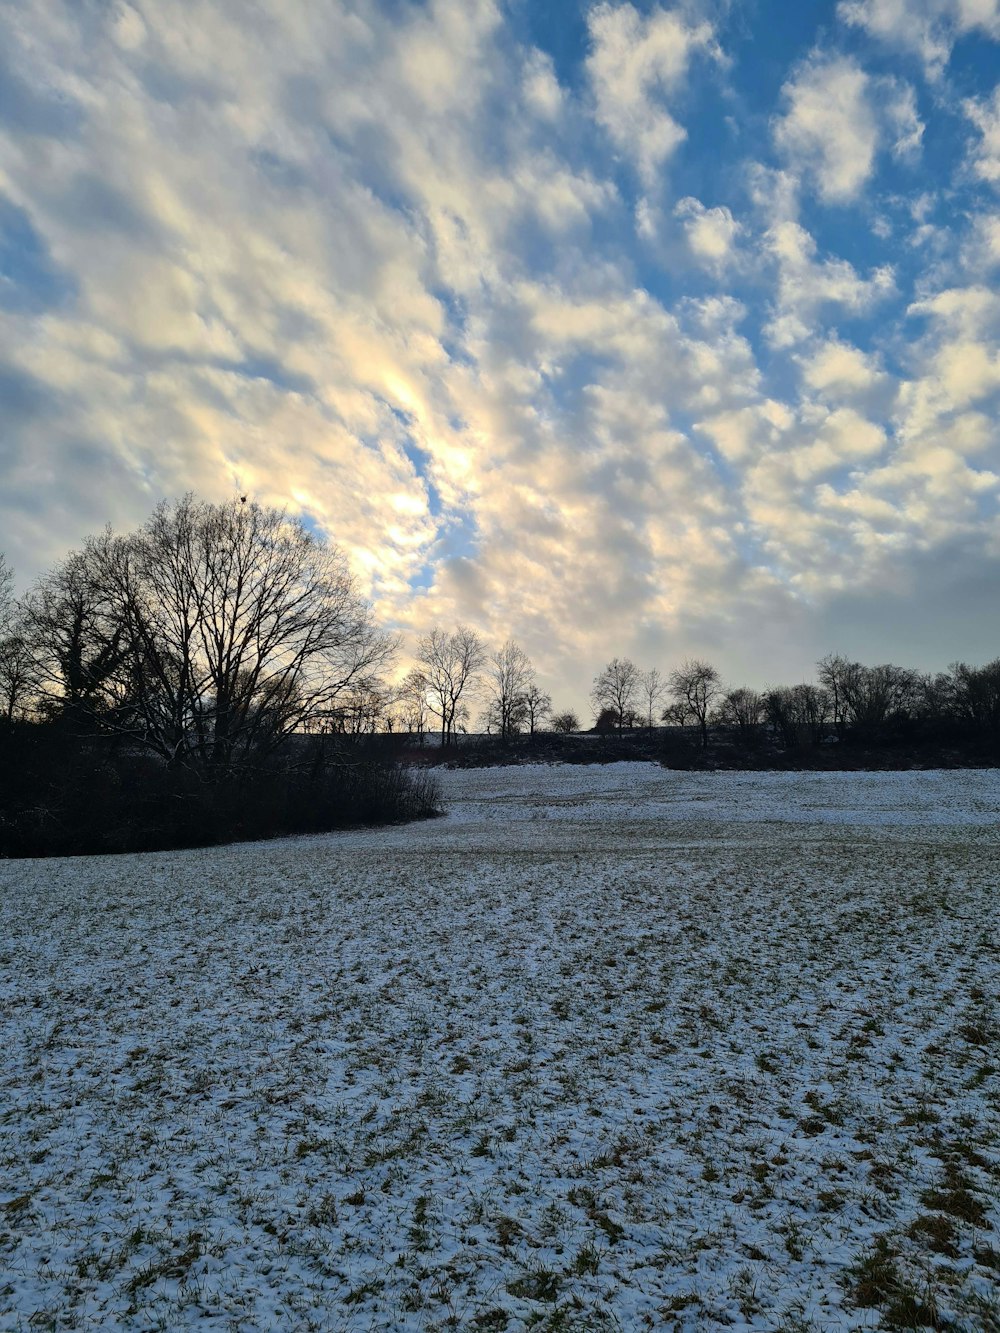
x: 838, y: 119
x: 712, y: 233
x: 354, y: 270
x: 837, y: 370
x: 807, y: 285
x: 985, y: 115
x: 542, y: 92
x: 743, y: 433
x: 983, y: 246
x: 956, y: 366
x: 903, y: 119
x: 928, y: 28
x: 830, y: 130
x: 636, y: 65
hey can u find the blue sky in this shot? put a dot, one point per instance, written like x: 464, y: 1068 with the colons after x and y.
x: 637, y: 329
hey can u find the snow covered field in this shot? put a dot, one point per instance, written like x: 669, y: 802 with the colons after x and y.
x: 605, y: 1048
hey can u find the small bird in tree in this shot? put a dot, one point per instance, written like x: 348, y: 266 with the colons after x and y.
x: 243, y: 499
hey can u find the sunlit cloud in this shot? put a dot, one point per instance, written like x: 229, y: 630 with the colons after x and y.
x: 581, y: 338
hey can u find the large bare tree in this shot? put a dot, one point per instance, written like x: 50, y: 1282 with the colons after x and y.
x: 694, y: 688
x: 451, y: 664
x: 508, y: 676
x: 615, y: 688
x: 211, y: 633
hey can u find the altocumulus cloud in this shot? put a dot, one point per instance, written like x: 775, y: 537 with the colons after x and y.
x: 619, y: 328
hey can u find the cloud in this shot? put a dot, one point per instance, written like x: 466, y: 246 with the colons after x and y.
x: 982, y: 248
x: 830, y: 131
x: 957, y: 365
x: 985, y: 115
x: 542, y: 92
x: 927, y: 28
x: 903, y: 118
x: 808, y: 286
x: 636, y: 66
x: 838, y: 119
x: 373, y: 262
x: 837, y: 371
x: 711, y: 233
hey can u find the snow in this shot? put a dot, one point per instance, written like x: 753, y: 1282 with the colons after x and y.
x: 606, y: 1047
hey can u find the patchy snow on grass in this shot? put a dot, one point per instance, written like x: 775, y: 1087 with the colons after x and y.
x: 606, y: 1047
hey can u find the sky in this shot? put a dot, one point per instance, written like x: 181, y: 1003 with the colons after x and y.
x: 618, y: 328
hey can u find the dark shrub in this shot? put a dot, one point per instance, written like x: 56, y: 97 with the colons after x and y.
x: 62, y: 795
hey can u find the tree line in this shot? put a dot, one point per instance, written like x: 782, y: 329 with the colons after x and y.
x: 215, y: 632
x: 226, y: 648
x: 848, y: 699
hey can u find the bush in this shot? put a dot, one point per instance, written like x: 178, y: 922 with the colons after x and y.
x: 61, y: 795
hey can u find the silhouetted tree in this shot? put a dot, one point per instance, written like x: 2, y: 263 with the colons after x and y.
x: 77, y: 639
x: 694, y: 687
x: 797, y: 713
x: 652, y: 687
x: 508, y: 676
x: 975, y: 695
x: 209, y: 635
x: 565, y: 723
x: 538, y: 706
x: 17, y: 668
x: 363, y: 707
x: 608, y: 720
x: 411, y: 702
x: 451, y: 665
x: 742, y: 710
x: 18, y: 678
x: 874, y: 695
x: 833, y: 670
x: 6, y: 594
x: 615, y: 689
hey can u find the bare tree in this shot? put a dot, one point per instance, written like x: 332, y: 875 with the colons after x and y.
x: 742, y: 709
x: 615, y: 688
x: 6, y: 594
x: 537, y: 706
x: 975, y: 694
x: 243, y: 625
x: 695, y: 687
x: 509, y: 675
x: 451, y: 664
x: 17, y: 667
x: 652, y: 687
x: 813, y: 705
x: 833, y: 670
x: 209, y: 635
x: 798, y: 713
x: 411, y: 703
x: 873, y: 695
x: 362, y: 708
x: 565, y: 723
x: 77, y: 644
